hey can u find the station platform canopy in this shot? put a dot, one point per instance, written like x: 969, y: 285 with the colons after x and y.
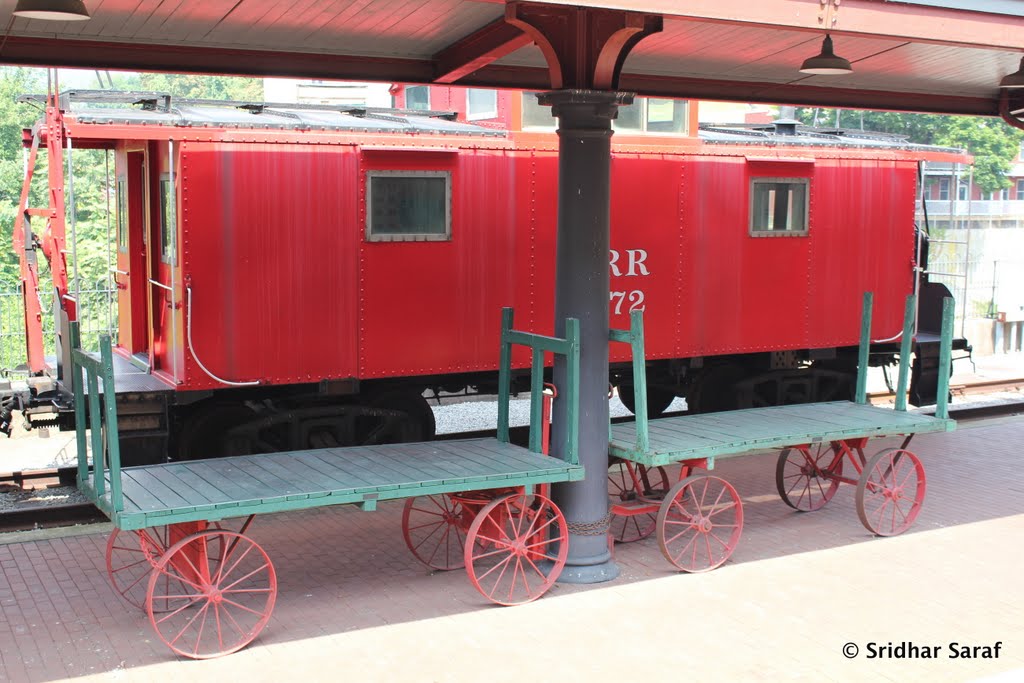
x: 943, y: 56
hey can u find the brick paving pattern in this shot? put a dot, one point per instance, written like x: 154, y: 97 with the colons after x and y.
x: 353, y: 602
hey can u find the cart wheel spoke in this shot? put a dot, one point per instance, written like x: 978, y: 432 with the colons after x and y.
x: 892, y: 481
x: 813, y: 475
x: 428, y: 523
x: 533, y: 530
x: 202, y: 583
x: 622, y: 489
x: 717, y: 507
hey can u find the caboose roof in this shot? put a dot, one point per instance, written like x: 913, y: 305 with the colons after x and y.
x: 112, y: 115
x: 807, y: 136
x: 160, y: 109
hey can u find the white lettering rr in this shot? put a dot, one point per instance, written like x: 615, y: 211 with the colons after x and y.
x: 614, y: 258
x: 636, y: 262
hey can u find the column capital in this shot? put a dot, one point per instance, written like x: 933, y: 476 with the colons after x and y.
x: 584, y: 47
x: 585, y: 108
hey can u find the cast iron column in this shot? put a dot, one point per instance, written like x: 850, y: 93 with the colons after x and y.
x: 581, y: 291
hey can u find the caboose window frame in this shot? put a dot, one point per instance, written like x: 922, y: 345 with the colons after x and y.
x: 168, y: 220
x: 122, y: 214
x: 374, y: 236
x: 757, y: 230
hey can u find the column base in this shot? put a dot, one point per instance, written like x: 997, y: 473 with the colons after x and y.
x: 589, y: 573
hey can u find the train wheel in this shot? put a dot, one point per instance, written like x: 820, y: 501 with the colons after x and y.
x: 395, y: 417
x: 714, y: 389
x: 221, y: 588
x: 205, y: 433
x: 658, y: 399
x: 516, y: 548
x: 805, y: 476
x: 700, y: 523
x: 890, y: 492
x: 622, y: 490
x: 433, y: 531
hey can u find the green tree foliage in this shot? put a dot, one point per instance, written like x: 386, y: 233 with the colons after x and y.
x: 992, y: 142
x: 194, y: 86
x: 13, y: 118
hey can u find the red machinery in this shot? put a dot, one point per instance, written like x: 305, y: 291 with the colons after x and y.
x: 292, y: 276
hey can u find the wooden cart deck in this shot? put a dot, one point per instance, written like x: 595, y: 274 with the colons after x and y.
x: 253, y: 484
x: 735, y: 432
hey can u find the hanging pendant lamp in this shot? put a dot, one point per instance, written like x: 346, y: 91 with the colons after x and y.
x: 826, y: 63
x: 52, y: 10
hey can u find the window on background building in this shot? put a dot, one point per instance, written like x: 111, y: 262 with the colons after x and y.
x: 944, y: 189
x: 481, y: 104
x: 778, y: 206
x: 645, y: 115
x: 168, y: 221
x: 1019, y: 196
x: 408, y: 206
x: 961, y: 191
x: 122, y: 215
x: 417, y: 97
x: 534, y: 115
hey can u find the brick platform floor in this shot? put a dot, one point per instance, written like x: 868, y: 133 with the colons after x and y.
x: 354, y: 604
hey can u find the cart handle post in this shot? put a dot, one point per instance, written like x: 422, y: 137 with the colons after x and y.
x: 945, y: 358
x: 89, y: 371
x: 864, y: 350
x: 908, y: 334
x: 541, y: 345
x: 634, y: 336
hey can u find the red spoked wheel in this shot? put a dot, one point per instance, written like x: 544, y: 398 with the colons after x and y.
x: 890, y: 492
x: 805, y: 476
x: 220, y: 587
x: 516, y: 548
x: 622, y: 491
x: 699, y: 523
x: 434, y: 528
x: 131, y: 556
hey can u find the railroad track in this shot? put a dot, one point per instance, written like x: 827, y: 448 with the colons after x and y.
x: 962, y: 390
x: 47, y: 516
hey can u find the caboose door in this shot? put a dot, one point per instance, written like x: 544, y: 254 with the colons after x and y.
x: 161, y: 261
x: 132, y: 273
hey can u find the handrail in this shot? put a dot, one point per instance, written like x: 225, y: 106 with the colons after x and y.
x: 568, y: 347
x: 634, y: 336
x: 102, y: 422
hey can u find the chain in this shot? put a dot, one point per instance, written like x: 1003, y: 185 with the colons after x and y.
x: 597, y: 528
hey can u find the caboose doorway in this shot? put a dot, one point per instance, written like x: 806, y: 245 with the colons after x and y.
x: 132, y: 271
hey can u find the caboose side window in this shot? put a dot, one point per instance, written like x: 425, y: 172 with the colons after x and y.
x: 122, y: 215
x: 408, y: 206
x: 778, y: 206
x: 168, y: 221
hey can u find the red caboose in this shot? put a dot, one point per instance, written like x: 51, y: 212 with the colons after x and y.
x: 294, y: 277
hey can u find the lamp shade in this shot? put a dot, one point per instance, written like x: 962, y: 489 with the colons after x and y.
x: 826, y: 63
x: 52, y: 10
x: 1014, y: 80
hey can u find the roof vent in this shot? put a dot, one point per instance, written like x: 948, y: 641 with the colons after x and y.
x: 786, y: 126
